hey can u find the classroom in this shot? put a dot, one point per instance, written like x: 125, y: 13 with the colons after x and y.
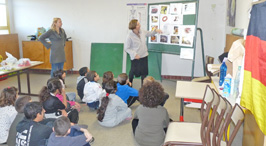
x: 97, y: 33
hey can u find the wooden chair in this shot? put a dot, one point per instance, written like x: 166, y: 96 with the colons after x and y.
x: 187, y: 133
x: 231, y: 126
x: 221, y: 109
x: 219, y: 123
x: 207, y: 79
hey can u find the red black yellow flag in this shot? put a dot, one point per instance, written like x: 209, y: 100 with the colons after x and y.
x: 254, y: 84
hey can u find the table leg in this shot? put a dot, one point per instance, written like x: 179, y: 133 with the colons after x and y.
x: 19, y: 85
x: 28, y: 81
x: 181, y: 118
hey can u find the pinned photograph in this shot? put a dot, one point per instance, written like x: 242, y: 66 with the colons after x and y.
x: 164, y: 9
x: 176, y: 19
x: 176, y: 8
x: 154, y: 19
x: 175, y: 40
x: 163, y: 39
x: 165, y: 24
x: 188, y: 30
x: 189, y: 8
x: 153, y: 27
x: 154, y: 10
x: 153, y: 39
x: 176, y: 30
x: 187, y: 41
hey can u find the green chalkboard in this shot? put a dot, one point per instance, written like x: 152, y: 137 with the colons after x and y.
x: 187, y: 20
x: 107, y: 57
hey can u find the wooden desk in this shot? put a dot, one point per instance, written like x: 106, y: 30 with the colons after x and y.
x: 21, y: 70
x: 192, y: 90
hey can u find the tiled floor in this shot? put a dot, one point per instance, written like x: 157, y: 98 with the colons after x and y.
x: 120, y: 135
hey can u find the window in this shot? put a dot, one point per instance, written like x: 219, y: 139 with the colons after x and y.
x: 4, y: 23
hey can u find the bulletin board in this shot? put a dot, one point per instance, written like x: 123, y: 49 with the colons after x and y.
x: 178, y: 22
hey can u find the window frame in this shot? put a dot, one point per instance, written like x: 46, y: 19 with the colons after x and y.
x: 7, y: 17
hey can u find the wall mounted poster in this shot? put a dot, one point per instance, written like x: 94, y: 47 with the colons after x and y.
x: 176, y: 8
x: 164, y: 9
x: 188, y: 8
x: 154, y: 10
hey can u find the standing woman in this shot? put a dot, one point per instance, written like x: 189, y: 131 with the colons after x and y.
x: 137, y: 49
x: 57, y: 36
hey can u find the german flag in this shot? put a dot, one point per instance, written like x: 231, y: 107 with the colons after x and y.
x: 254, y: 84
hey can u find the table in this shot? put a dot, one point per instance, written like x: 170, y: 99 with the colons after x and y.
x: 192, y: 90
x: 21, y: 70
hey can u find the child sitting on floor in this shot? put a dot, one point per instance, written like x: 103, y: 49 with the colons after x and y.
x: 128, y: 94
x: 7, y: 111
x: 113, y: 109
x: 71, y: 96
x: 107, y: 76
x: 150, y: 117
x: 149, y: 79
x: 93, y: 92
x: 61, y: 137
x: 81, y: 81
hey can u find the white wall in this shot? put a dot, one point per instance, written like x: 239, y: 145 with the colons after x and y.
x: 242, y: 15
x: 106, y: 21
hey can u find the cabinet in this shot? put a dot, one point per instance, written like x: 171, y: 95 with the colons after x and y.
x: 9, y: 43
x: 35, y: 51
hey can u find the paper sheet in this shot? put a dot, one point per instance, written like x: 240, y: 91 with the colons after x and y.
x: 186, y: 53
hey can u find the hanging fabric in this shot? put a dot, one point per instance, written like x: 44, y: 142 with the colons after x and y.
x: 254, y: 84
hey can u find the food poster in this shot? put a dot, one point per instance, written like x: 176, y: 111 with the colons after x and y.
x: 164, y: 9
x: 174, y: 40
x: 187, y: 41
x: 164, y: 39
x: 176, y: 8
x: 154, y: 10
x: 165, y: 24
x: 176, y: 19
x: 189, y: 8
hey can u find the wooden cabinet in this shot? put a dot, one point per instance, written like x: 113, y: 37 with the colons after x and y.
x: 35, y: 51
x: 9, y: 43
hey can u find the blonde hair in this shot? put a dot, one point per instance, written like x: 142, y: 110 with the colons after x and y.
x: 148, y: 79
x: 54, y: 21
x: 132, y: 24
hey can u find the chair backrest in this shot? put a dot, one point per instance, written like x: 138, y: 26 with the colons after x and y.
x: 209, y: 60
x: 220, y: 121
x: 236, y: 117
x: 208, y: 119
x: 218, y: 116
x: 206, y: 102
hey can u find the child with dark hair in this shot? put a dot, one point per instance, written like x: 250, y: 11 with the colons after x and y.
x: 60, y: 136
x: 151, y: 79
x: 19, y: 106
x: 30, y: 131
x: 107, y: 76
x: 150, y: 117
x: 7, y: 111
x: 81, y: 81
x: 128, y: 94
x: 93, y: 91
x: 53, y: 106
x: 61, y: 75
x: 113, y: 109
x: 71, y: 96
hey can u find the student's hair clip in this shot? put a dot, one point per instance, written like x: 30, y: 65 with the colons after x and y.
x: 107, y: 94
